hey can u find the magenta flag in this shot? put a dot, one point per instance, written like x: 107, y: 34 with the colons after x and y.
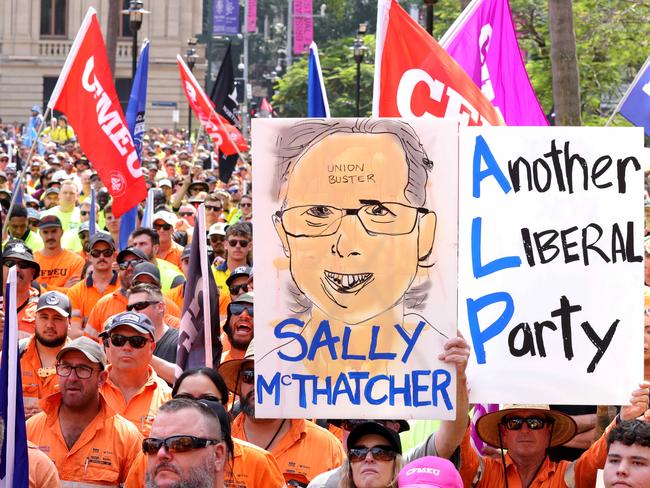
x: 303, y: 26
x: 484, y: 42
x: 251, y: 21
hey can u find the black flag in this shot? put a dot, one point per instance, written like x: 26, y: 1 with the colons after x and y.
x: 224, y: 97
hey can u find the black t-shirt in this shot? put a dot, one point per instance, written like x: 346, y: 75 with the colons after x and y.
x: 166, y: 346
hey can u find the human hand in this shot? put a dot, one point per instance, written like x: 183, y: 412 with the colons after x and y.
x: 456, y: 351
x: 638, y: 403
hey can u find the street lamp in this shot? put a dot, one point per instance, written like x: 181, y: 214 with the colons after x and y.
x: 136, y: 13
x: 359, y: 51
x: 191, y: 58
x: 429, y: 18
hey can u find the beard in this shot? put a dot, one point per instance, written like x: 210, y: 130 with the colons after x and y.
x: 236, y: 344
x: 201, y: 476
x: 56, y: 342
x: 248, y: 404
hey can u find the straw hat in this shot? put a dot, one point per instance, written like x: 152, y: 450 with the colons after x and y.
x: 230, y: 370
x: 564, y: 427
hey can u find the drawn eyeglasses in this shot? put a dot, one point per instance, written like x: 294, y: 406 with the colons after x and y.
x: 384, y: 218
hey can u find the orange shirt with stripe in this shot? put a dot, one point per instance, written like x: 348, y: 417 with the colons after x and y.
x: 252, y: 467
x: 57, y: 270
x: 305, y: 450
x: 173, y: 255
x: 142, y: 408
x: 27, y: 315
x: 101, y: 456
x: 38, y: 383
x: 84, y: 295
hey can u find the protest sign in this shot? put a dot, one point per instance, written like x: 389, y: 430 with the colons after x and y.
x: 551, y: 263
x: 358, y: 267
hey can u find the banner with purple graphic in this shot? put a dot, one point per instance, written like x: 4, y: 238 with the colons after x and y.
x: 303, y: 26
x: 484, y: 42
x: 226, y: 17
x: 251, y: 22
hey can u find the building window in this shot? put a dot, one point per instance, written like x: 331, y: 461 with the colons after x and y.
x: 53, y: 18
x: 125, y: 28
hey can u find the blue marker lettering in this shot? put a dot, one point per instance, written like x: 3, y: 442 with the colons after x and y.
x: 441, y: 387
x: 281, y: 334
x: 373, y: 354
x: 346, y: 343
x: 367, y: 392
x: 323, y: 338
x: 272, y: 388
x: 482, y: 152
x: 480, y: 337
x: 420, y: 388
x: 410, y: 341
x: 404, y: 391
x: 493, y: 266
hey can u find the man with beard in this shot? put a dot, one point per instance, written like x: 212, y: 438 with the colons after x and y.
x: 88, y: 442
x: 238, y: 328
x: 301, y: 448
x: 38, y: 353
x: 186, y: 447
x: 60, y: 268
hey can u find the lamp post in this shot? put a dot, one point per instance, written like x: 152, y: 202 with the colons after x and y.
x: 429, y: 20
x: 136, y: 13
x: 190, y: 57
x: 359, y: 51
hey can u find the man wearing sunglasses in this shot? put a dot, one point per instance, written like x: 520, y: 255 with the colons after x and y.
x: 238, y: 327
x: 89, y: 443
x: 186, y: 447
x: 133, y: 389
x: 238, y: 244
x: 213, y: 210
x: 99, y: 282
x: 163, y: 224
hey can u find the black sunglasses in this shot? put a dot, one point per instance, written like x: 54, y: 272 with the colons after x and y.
x: 379, y: 453
x: 236, y: 289
x: 210, y: 398
x: 138, y: 306
x: 162, y: 226
x: 133, y: 262
x: 238, y: 308
x: 107, y: 253
x: 177, y: 443
x: 186, y: 214
x: 118, y: 340
x: 10, y: 263
x: 83, y: 213
x: 213, y: 208
x: 235, y: 242
x: 248, y: 376
x: 533, y: 423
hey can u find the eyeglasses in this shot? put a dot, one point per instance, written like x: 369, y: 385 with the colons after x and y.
x: 138, y: 306
x: 177, y: 443
x: 235, y: 242
x: 10, y: 263
x: 236, y: 289
x: 245, y: 204
x: 136, y: 342
x: 379, y: 453
x: 83, y: 213
x: 82, y: 372
x: 210, y: 398
x: 133, y: 262
x: 186, y: 214
x: 248, y: 376
x: 107, y: 253
x: 162, y: 226
x: 533, y: 423
x: 238, y: 308
x: 213, y: 208
x: 385, y: 218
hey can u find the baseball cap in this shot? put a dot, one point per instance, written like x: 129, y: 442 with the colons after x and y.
x: 218, y: 229
x: 33, y: 214
x: 167, y: 217
x: 239, y: 271
x: 18, y: 250
x: 371, y: 427
x: 146, y: 269
x: 56, y: 301
x: 84, y: 227
x: 101, y: 237
x: 51, y: 190
x: 91, y: 349
x: 50, y: 221
x: 131, y: 250
x: 137, y: 321
x: 429, y: 471
x: 164, y: 182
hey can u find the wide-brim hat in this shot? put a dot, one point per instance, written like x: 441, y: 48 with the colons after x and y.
x: 230, y: 370
x: 563, y: 430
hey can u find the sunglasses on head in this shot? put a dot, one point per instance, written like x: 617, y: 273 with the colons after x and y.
x: 247, y: 376
x: 107, y: 253
x: 162, y: 226
x: 177, y: 443
x: 238, y: 308
x: 379, y: 453
x: 236, y: 289
x: 210, y: 398
x: 10, y: 263
x: 138, y: 306
x: 133, y: 262
x: 136, y: 342
x: 237, y: 242
x: 533, y: 423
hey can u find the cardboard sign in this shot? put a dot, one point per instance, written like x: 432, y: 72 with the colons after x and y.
x: 356, y: 271
x: 551, y: 263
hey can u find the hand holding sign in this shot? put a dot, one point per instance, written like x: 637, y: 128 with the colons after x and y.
x: 638, y: 403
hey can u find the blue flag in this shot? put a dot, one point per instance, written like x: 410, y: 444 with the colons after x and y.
x: 317, y: 105
x: 14, y: 468
x: 19, y: 191
x: 92, y: 218
x: 135, y: 120
x: 636, y: 105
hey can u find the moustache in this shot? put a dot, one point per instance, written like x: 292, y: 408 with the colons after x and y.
x: 166, y: 465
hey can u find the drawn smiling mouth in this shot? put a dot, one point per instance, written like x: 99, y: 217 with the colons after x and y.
x: 348, y: 283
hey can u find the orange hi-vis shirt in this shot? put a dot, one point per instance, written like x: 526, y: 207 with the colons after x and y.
x: 484, y: 472
x: 38, y: 382
x: 42, y: 472
x: 173, y: 255
x: 26, y: 314
x: 306, y: 450
x: 103, y: 454
x: 57, y: 270
x: 252, y: 467
x: 176, y: 295
x: 84, y: 295
x: 141, y: 410
x: 106, y: 307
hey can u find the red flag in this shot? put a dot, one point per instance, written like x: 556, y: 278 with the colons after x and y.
x: 417, y: 78
x: 224, y: 134
x: 86, y: 94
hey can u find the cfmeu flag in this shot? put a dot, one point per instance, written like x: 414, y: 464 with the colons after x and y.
x: 317, y: 105
x: 635, y: 106
x: 224, y: 135
x: 14, y: 469
x: 484, y: 43
x: 415, y: 77
x: 86, y: 94
x: 199, y: 341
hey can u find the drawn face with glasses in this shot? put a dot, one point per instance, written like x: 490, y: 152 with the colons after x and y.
x: 354, y: 238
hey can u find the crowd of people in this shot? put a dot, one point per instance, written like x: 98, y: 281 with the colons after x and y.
x: 98, y: 324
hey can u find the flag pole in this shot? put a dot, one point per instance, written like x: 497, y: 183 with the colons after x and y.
x: 627, y: 92
x: 207, y: 321
x: 469, y: 10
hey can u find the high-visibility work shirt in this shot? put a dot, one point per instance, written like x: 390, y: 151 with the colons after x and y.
x: 303, y: 452
x: 42, y: 472
x: 484, y: 472
x: 168, y: 273
x: 142, y: 408
x: 57, y: 270
x: 27, y: 315
x: 84, y: 295
x: 173, y: 254
x: 38, y: 382
x: 101, y: 456
x: 106, y: 307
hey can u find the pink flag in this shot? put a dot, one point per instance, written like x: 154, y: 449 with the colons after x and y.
x: 484, y: 42
x: 251, y: 22
x: 303, y: 26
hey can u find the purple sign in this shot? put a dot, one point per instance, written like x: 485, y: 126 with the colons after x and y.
x: 303, y: 26
x: 225, y: 17
x: 252, y: 16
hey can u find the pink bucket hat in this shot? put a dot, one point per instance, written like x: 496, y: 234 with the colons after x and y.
x: 429, y: 472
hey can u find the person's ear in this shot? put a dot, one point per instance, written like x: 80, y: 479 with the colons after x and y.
x: 102, y: 377
x: 427, y: 235
x: 220, y: 457
x: 277, y: 223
